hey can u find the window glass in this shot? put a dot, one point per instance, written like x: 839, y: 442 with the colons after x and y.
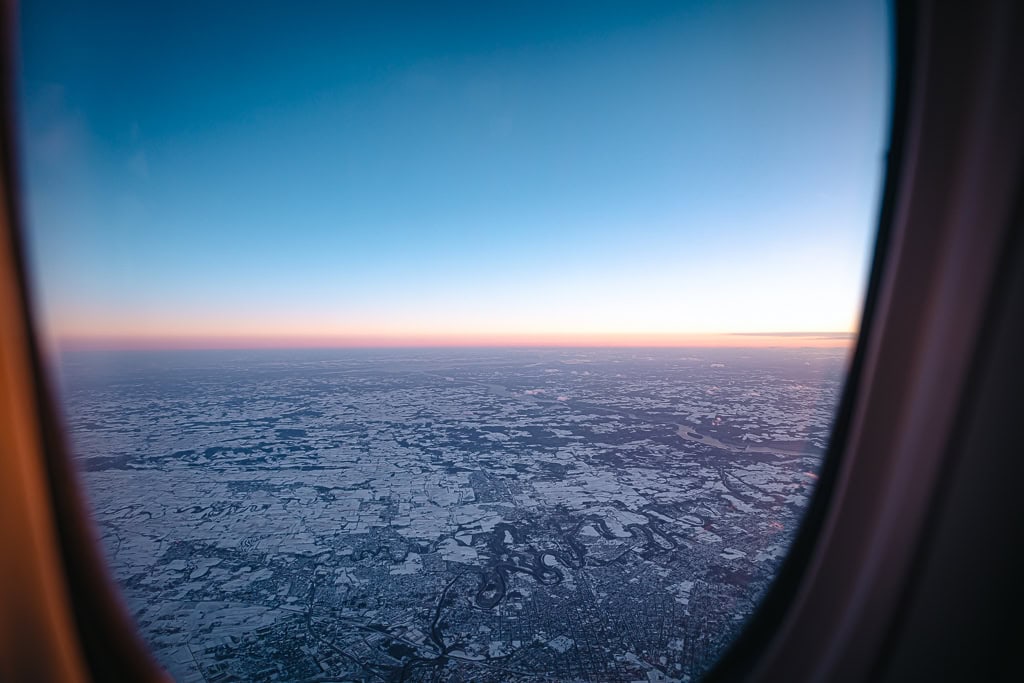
x: 449, y: 341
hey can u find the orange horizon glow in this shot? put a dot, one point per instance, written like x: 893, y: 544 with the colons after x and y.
x: 829, y: 339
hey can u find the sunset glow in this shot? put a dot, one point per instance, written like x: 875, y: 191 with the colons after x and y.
x: 664, y: 174
x: 802, y: 340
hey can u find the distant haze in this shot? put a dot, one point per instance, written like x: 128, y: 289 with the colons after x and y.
x: 374, y: 174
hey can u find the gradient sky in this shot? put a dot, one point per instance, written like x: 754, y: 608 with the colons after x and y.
x: 451, y: 171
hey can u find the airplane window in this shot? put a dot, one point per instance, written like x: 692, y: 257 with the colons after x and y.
x: 449, y: 341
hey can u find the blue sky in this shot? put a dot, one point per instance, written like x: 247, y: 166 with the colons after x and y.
x: 455, y: 170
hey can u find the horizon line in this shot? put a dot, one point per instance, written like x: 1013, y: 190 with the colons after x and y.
x: 823, y: 339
